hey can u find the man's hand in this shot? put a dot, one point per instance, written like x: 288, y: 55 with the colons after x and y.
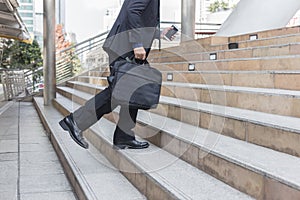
x: 139, y: 53
x: 164, y: 32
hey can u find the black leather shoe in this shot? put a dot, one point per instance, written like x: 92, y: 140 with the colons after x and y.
x: 69, y: 125
x: 131, y: 144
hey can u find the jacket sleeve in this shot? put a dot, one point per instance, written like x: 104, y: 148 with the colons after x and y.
x: 135, y: 10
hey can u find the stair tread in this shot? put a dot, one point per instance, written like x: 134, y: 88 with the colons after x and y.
x: 280, y: 166
x: 95, y: 77
x: 287, y: 123
x: 223, y: 50
x: 96, y: 175
x: 87, y: 84
x: 177, y: 176
x: 238, y: 72
x: 226, y: 88
x: 231, y: 59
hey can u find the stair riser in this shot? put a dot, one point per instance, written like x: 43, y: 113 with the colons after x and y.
x: 244, y: 53
x: 236, y: 65
x: 92, y: 80
x: 259, y: 80
x: 252, y: 183
x: 73, y: 98
x: 286, y: 81
x: 290, y: 106
x: 267, y: 136
x: 262, y: 41
x: 99, y: 73
x: 269, y: 42
x: 266, y: 34
x: 82, y: 88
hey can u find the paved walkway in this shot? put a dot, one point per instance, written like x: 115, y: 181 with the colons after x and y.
x: 29, y: 167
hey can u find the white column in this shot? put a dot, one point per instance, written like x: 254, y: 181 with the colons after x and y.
x: 188, y: 12
x: 49, y: 52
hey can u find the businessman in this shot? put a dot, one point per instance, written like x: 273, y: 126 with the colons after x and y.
x: 131, y: 36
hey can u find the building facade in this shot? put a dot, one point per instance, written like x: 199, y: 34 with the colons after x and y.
x: 27, y: 13
x: 31, y: 12
x: 60, y: 6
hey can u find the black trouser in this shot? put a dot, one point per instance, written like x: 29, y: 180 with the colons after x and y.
x: 101, y: 104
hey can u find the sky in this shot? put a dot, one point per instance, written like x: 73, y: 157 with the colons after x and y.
x: 86, y: 19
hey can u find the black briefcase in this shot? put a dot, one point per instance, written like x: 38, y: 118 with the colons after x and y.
x: 136, y: 85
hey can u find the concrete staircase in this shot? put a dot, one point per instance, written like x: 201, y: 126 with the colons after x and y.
x: 229, y: 129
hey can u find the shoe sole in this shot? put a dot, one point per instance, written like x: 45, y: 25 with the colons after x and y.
x: 66, y: 128
x: 120, y: 146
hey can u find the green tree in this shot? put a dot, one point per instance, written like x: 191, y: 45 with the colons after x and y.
x: 23, y: 56
x: 218, y: 5
x: 20, y: 55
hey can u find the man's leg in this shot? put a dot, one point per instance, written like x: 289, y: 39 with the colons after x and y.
x: 93, y: 110
x: 124, y: 136
x: 127, y: 121
x: 86, y: 116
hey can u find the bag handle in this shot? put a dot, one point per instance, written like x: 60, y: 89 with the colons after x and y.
x: 136, y: 61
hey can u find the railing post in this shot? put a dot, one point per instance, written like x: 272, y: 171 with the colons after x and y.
x: 49, y: 52
x: 188, y: 15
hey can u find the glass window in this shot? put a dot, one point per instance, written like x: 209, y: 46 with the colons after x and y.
x: 28, y: 22
x: 26, y: 1
x: 26, y: 7
x: 26, y: 14
x: 30, y: 29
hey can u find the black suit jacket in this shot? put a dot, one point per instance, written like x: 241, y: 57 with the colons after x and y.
x: 136, y: 23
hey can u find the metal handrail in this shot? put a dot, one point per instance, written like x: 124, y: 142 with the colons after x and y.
x: 66, y: 59
x: 200, y: 29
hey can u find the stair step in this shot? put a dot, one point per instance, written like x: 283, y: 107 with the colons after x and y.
x: 89, y: 172
x: 226, y: 158
x: 247, y: 64
x: 282, y: 33
x: 281, y: 133
x: 249, y: 52
x: 278, y: 132
x: 257, y: 99
x: 93, y: 80
x: 209, y: 44
x: 288, y: 80
x: 264, y: 41
x: 158, y: 173
x: 221, y: 156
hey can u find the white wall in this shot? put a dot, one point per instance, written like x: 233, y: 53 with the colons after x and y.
x: 258, y: 15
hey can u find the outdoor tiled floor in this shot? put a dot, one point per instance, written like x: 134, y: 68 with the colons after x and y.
x: 29, y: 167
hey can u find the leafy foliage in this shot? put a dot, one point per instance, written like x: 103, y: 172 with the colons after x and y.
x: 218, y: 6
x: 68, y: 57
x: 22, y: 56
x: 19, y: 55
